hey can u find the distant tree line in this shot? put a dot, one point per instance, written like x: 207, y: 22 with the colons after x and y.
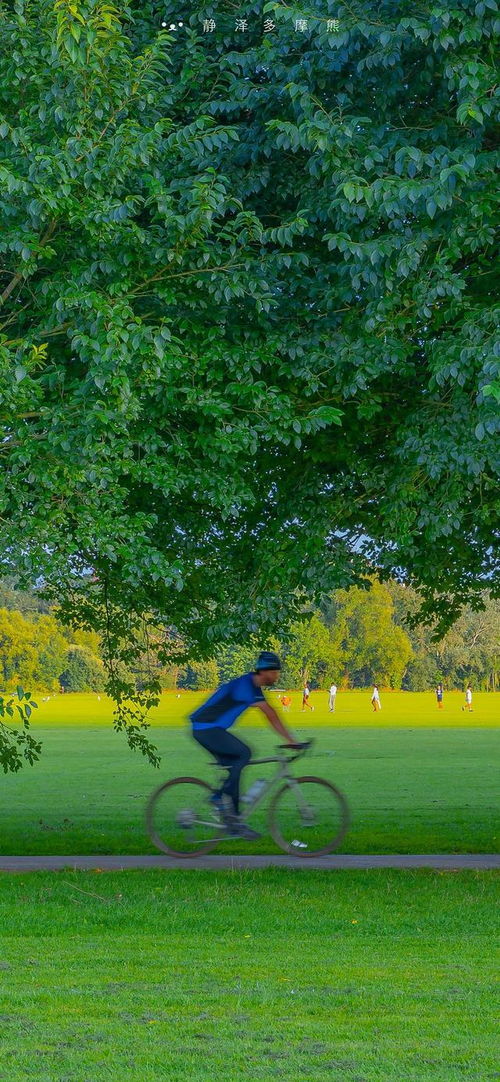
x: 356, y: 638
x: 37, y: 651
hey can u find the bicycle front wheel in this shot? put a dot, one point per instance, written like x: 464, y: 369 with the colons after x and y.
x: 180, y: 819
x: 308, y: 817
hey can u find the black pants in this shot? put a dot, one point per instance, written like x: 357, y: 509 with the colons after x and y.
x: 229, y: 752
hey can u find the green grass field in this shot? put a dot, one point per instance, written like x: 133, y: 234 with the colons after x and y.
x: 420, y: 781
x: 282, y: 974
x: 400, y: 709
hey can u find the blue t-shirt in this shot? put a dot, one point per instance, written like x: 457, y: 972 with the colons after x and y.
x: 227, y: 703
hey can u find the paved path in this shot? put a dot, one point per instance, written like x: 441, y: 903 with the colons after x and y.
x: 440, y: 861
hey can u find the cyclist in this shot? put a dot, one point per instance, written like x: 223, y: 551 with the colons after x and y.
x: 211, y: 723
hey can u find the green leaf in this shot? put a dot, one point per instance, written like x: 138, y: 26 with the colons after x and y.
x: 475, y: 113
x: 349, y: 190
x: 327, y: 414
x: 491, y: 389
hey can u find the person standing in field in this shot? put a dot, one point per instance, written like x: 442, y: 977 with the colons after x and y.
x: 331, y: 698
x: 305, y: 697
x: 375, y: 699
x: 285, y: 701
x: 439, y: 696
x: 468, y: 700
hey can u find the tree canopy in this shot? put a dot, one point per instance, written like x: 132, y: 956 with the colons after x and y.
x: 247, y: 330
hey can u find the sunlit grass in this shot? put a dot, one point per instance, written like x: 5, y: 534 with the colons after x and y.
x: 400, y: 709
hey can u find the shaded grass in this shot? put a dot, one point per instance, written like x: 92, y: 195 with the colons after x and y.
x: 431, y: 790
x: 279, y: 974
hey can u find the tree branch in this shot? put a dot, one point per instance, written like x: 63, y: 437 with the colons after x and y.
x: 19, y: 277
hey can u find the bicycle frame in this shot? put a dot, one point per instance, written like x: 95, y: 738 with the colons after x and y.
x: 280, y: 775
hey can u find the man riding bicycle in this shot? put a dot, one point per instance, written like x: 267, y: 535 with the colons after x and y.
x: 211, y: 723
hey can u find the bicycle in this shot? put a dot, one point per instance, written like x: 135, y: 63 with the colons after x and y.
x: 307, y: 816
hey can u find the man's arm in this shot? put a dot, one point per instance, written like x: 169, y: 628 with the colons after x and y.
x: 276, y: 722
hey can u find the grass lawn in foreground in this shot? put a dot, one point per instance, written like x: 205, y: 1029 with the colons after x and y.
x: 280, y: 974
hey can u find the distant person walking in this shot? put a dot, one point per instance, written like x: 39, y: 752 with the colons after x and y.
x: 305, y: 698
x: 332, y: 695
x: 439, y: 696
x: 468, y: 700
x: 375, y: 699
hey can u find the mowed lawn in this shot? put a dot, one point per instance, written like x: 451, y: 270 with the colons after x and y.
x: 400, y: 709
x: 417, y: 779
x: 282, y: 974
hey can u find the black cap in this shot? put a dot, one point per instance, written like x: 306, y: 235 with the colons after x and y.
x: 267, y: 660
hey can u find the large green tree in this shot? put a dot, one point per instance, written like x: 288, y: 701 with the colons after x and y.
x: 32, y: 651
x: 468, y: 651
x: 82, y: 672
x: 374, y: 648
x: 310, y: 654
x: 246, y: 311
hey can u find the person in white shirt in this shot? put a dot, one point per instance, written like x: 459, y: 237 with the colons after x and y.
x: 375, y: 699
x: 305, y: 698
x: 331, y: 698
x: 468, y: 699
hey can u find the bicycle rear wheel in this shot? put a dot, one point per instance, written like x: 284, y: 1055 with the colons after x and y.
x: 180, y: 819
x: 308, y: 817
